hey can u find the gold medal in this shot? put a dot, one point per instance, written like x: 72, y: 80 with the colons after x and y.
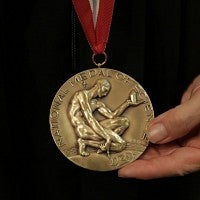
x: 98, y: 119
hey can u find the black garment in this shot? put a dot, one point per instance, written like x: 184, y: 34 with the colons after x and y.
x: 42, y: 45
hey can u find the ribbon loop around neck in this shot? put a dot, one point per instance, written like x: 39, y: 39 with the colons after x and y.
x: 96, y: 34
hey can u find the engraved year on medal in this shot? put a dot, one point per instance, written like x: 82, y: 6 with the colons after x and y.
x: 99, y: 117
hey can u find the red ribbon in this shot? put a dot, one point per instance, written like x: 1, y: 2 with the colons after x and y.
x: 97, y: 36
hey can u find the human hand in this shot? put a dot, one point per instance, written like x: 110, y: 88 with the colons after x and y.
x: 175, y: 141
x: 105, y: 147
x: 136, y: 98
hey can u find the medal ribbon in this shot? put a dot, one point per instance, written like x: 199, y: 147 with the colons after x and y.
x: 96, y: 34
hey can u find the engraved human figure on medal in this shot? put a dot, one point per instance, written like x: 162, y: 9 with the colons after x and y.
x: 104, y: 135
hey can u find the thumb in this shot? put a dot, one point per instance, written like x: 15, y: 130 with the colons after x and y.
x: 176, y: 122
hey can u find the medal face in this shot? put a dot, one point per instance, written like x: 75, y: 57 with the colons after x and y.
x: 98, y: 119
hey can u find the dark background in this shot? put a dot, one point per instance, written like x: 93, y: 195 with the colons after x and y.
x: 42, y: 45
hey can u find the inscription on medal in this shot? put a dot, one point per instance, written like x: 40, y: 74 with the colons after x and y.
x: 98, y: 119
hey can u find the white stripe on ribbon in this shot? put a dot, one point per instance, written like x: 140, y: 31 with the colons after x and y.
x: 94, y: 4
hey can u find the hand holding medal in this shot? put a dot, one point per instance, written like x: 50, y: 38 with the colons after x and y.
x: 98, y: 118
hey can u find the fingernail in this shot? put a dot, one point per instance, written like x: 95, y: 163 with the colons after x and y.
x: 157, y: 133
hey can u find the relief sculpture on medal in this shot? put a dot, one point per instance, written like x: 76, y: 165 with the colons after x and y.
x: 104, y: 135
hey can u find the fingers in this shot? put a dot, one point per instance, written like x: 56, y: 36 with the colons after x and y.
x: 176, y: 122
x: 180, y: 162
x: 167, y: 127
x: 192, y: 89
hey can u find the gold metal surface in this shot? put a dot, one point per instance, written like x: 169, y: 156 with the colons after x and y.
x: 98, y: 119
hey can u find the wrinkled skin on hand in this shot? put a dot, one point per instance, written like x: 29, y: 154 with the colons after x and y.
x: 178, y: 153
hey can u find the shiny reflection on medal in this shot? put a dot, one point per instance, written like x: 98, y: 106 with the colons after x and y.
x: 99, y: 117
